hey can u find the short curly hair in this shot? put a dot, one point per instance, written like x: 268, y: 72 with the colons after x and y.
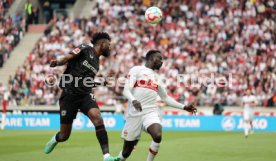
x: 100, y: 35
x: 151, y: 53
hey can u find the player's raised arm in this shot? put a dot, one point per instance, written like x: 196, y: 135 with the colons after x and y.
x: 64, y: 60
x: 171, y: 102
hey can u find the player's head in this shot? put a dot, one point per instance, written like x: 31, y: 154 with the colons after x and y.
x: 154, y: 58
x: 102, y: 39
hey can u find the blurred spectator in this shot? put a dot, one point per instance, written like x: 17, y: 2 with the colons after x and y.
x: 3, y: 53
x: 10, y: 34
x: 4, y: 6
x: 218, y: 109
x: 35, y: 15
x: 2, y: 91
x: 47, y: 11
x: 272, y: 101
x: 16, y: 19
x: 29, y: 13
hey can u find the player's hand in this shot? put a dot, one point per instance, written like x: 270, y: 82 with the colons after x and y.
x: 190, y: 108
x: 53, y: 63
x: 137, y: 105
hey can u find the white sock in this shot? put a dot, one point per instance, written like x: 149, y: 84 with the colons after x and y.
x: 246, y: 129
x: 106, y: 155
x: 122, y: 158
x: 153, y: 150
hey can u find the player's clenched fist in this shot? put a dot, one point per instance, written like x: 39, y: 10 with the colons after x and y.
x: 190, y: 108
x: 137, y: 105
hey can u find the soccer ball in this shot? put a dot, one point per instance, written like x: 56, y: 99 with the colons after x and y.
x: 153, y: 15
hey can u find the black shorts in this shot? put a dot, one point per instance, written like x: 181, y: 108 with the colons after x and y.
x: 70, y: 105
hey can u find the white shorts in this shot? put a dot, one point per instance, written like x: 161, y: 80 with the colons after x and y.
x: 248, y: 114
x: 134, y: 125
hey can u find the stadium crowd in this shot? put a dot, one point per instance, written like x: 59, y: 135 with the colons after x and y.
x: 232, y: 39
x: 4, y: 6
x: 11, y: 31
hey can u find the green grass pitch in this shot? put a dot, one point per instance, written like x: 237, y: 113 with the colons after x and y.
x: 176, y: 146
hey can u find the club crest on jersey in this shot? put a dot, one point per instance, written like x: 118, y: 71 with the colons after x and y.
x: 76, y: 50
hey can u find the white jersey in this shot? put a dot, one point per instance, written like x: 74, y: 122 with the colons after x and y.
x: 142, y: 85
x: 248, y: 112
x: 248, y: 100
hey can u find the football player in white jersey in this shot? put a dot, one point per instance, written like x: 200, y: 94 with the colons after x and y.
x: 249, y: 101
x: 4, y: 105
x: 141, y: 89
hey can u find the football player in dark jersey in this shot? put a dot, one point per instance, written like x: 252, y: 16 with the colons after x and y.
x: 76, y: 84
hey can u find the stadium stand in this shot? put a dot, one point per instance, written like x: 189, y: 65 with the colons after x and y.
x: 11, y: 31
x: 4, y: 6
x: 230, y: 39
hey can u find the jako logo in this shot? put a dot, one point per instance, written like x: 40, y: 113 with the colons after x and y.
x: 79, y: 122
x: 228, y: 123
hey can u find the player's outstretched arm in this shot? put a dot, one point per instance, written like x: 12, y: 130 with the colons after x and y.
x: 62, y: 61
x: 72, y: 55
x: 171, y: 102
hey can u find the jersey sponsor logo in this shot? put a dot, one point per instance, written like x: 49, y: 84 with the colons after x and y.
x: 76, y: 51
x: 149, y: 84
x: 89, y: 66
